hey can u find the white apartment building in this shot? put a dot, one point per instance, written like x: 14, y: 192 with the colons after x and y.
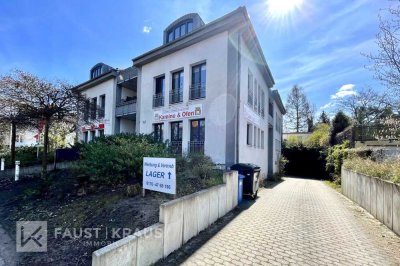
x: 207, y: 88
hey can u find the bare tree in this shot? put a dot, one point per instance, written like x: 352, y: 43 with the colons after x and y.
x: 386, y: 62
x: 299, y: 110
x: 366, y: 106
x: 45, y: 101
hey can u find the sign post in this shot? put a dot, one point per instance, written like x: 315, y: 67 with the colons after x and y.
x: 2, y: 164
x: 159, y: 174
x: 17, y: 170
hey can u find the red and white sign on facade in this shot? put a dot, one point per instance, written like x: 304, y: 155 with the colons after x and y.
x: 92, y: 127
x: 186, y: 112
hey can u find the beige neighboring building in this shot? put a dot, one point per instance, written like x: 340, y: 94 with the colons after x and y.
x: 298, y: 135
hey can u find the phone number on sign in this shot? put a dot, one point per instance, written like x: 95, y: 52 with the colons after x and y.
x: 160, y: 185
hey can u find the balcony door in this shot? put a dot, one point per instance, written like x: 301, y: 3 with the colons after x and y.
x: 176, y: 137
x: 197, y: 135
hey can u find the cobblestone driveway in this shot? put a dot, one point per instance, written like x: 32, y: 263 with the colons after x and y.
x: 298, y: 222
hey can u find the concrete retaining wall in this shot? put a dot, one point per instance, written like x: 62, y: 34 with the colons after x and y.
x: 180, y: 220
x: 379, y: 197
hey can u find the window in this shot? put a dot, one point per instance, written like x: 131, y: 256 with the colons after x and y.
x: 177, y: 32
x: 271, y: 109
x: 262, y: 139
x: 176, y: 94
x: 171, y: 36
x: 158, y: 98
x: 249, y: 134
x: 92, y: 135
x: 86, y: 137
x: 180, y: 30
x: 102, y: 106
x: 158, y: 132
x: 101, y: 132
x: 189, y: 26
x: 250, y: 89
x: 259, y: 99
x: 197, y: 135
x: 258, y: 138
x: 198, y: 87
x: 183, y: 29
x: 255, y: 95
x: 87, y: 110
x: 262, y: 103
x: 93, y: 109
x: 255, y: 137
x: 96, y: 72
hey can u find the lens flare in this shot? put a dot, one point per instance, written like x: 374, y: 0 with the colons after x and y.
x: 282, y: 8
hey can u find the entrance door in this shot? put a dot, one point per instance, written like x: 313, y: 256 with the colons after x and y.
x: 197, y: 135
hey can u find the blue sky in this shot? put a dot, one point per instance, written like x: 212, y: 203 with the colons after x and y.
x: 317, y: 46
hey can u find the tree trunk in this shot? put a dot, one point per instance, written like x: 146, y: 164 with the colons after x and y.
x: 45, y: 148
x: 12, y: 144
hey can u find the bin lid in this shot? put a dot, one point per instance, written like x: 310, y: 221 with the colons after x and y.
x: 245, y: 166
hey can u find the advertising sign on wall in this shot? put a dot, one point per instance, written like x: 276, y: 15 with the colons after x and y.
x: 185, y: 112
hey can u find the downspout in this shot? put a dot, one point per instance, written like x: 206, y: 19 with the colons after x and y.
x: 238, y: 95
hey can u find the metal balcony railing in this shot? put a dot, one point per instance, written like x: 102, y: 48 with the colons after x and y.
x: 158, y: 100
x: 176, y: 147
x: 197, y: 91
x: 176, y: 96
x: 196, y: 146
x: 125, y: 108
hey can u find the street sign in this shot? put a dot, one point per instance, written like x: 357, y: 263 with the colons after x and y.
x: 159, y: 174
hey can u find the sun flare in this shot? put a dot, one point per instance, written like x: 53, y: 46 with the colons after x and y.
x: 282, y: 8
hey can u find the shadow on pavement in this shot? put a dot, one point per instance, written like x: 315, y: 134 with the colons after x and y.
x: 271, y: 183
x: 180, y: 255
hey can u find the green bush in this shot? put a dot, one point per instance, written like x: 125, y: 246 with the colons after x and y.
x: 335, y: 157
x: 113, y: 159
x: 319, y: 137
x: 388, y: 169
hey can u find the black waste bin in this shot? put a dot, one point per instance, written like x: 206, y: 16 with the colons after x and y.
x: 252, y: 177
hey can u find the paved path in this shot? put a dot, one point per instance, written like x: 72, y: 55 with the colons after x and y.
x: 298, y: 222
x: 8, y: 256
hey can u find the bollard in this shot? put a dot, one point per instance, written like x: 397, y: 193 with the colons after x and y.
x: 17, y: 170
x: 2, y: 164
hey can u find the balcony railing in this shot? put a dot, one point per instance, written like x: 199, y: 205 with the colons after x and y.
x: 196, y: 146
x: 176, y: 96
x: 100, y: 112
x: 158, y: 100
x: 125, y: 108
x: 176, y: 147
x: 198, y: 91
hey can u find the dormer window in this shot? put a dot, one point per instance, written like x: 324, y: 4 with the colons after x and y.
x: 96, y: 72
x: 180, y: 30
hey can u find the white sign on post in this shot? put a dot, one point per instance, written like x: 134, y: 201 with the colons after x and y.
x: 159, y: 174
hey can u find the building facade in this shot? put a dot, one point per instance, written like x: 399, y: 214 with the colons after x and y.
x: 206, y: 89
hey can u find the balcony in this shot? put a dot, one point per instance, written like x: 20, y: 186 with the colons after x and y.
x: 196, y: 147
x: 176, y: 96
x: 197, y: 91
x: 125, y: 108
x: 158, y: 100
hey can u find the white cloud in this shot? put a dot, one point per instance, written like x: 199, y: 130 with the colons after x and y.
x: 345, y: 90
x: 146, y: 29
x: 327, y: 106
